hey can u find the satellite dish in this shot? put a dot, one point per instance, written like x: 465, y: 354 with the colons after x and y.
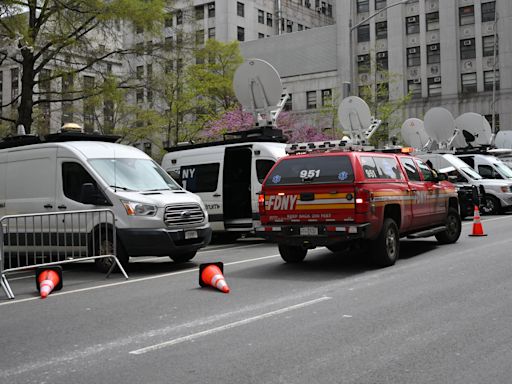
x: 413, y: 133
x: 439, y: 124
x: 354, y: 114
x: 475, y: 129
x: 257, y: 85
x: 503, y: 139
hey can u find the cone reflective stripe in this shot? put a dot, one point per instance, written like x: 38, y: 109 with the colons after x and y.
x: 477, y: 225
x: 211, y: 275
x: 48, y: 279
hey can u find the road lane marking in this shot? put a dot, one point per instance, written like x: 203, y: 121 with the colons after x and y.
x: 225, y: 327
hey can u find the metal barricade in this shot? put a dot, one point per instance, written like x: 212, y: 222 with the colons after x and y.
x: 45, y: 239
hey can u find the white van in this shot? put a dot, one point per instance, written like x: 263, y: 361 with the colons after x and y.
x: 489, y: 167
x: 227, y: 176
x: 498, y: 193
x: 154, y: 215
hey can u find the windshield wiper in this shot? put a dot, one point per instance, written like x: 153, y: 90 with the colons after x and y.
x: 156, y: 189
x: 118, y: 187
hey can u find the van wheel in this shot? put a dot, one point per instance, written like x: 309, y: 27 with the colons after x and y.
x: 453, y: 228
x: 492, y: 205
x: 183, y: 257
x: 106, y: 247
x: 386, y: 248
x: 292, y: 253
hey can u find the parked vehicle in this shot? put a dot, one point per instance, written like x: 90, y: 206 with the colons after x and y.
x: 227, y: 175
x: 76, y: 171
x: 324, y: 195
x: 489, y: 167
x: 497, y: 193
x: 469, y: 195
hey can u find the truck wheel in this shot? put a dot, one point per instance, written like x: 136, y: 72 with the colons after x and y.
x: 492, y: 205
x: 106, y: 247
x: 183, y: 257
x: 292, y: 253
x: 453, y: 228
x: 386, y: 248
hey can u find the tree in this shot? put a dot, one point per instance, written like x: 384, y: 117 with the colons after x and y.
x: 70, y: 37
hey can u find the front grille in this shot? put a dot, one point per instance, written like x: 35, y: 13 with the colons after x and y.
x: 183, y: 214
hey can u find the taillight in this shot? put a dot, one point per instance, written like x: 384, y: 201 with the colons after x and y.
x: 261, y: 202
x: 363, y: 197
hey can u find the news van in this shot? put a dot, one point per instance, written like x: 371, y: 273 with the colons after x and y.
x: 227, y: 175
x: 489, y: 167
x: 75, y: 171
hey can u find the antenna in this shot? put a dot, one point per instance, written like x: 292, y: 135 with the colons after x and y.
x: 440, y: 126
x: 258, y: 88
x: 355, y: 117
x: 413, y: 133
x: 474, y: 128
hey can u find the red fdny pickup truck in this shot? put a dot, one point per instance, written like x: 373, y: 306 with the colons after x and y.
x: 330, y: 194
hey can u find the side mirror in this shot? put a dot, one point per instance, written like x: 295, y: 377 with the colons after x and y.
x: 89, y: 194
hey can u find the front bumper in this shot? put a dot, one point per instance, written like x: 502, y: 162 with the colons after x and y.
x: 163, y: 242
x: 319, y: 235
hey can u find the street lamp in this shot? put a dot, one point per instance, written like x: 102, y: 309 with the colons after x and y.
x: 351, y: 32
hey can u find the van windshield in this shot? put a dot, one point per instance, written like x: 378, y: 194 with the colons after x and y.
x: 503, y: 169
x: 134, y: 174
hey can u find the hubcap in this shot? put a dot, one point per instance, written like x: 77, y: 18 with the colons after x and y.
x: 391, y: 243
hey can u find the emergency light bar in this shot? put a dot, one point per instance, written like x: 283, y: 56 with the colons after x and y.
x: 325, y: 146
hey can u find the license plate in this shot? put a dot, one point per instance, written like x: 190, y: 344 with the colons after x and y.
x: 191, y: 235
x: 309, y: 231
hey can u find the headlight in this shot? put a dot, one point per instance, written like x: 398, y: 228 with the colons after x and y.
x: 139, y: 209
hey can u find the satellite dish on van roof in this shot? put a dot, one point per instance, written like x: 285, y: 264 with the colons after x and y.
x: 439, y: 124
x: 413, y: 133
x: 475, y: 128
x: 503, y: 139
x: 257, y: 85
x: 354, y: 114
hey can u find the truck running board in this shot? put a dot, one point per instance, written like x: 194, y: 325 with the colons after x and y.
x: 427, y: 233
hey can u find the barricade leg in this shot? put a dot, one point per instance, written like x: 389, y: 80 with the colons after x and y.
x: 6, y: 287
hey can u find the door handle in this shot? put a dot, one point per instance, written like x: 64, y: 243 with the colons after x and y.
x: 216, y: 195
x: 62, y: 207
x: 48, y: 206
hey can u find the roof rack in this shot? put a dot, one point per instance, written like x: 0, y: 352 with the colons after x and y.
x: 326, y: 146
x: 260, y: 134
x: 22, y: 140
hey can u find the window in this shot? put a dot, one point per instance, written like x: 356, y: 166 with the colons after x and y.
x: 467, y: 15
x: 139, y: 95
x: 211, y: 9
x: 433, y: 53
x: 88, y: 106
x: 412, y: 24
x: 434, y: 86
x: 425, y: 170
x: 73, y: 177
x: 67, y: 106
x: 108, y: 114
x: 432, y: 21
x: 488, y: 46
x: 363, y: 63
x: 329, y: 10
x: 300, y: 27
x: 269, y: 19
x: 168, y: 20
x: 289, y: 26
x: 414, y: 88
x: 168, y: 43
x: 379, y: 4
x: 139, y: 48
x: 363, y: 6
x: 383, y: 92
x: 15, y: 82
x: 467, y: 49
x: 149, y: 47
x: 139, y: 72
x: 262, y: 168
x: 261, y: 35
x: 410, y: 169
x: 363, y: 33
x: 413, y: 56
x: 381, y: 30
x: 288, y: 106
x: 489, y: 80
x: 311, y: 100
x: 240, y: 9
x: 375, y: 167
x: 179, y: 18
x: 211, y: 33
x: 200, y: 37
x: 382, y: 61
x: 488, y: 11
x: 496, y: 121
x: 199, y: 11
x: 468, y: 81
x: 200, y: 178
x: 240, y: 33
x: 149, y: 96
x: 261, y: 16
x: 139, y: 29
x: 327, y: 97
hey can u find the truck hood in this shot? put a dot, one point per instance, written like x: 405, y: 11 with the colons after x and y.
x: 159, y: 198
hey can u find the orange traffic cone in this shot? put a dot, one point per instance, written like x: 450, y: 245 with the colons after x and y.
x: 48, y: 279
x: 211, y: 274
x: 477, y: 225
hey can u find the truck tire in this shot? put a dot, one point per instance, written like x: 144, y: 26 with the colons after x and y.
x: 453, y: 228
x: 106, y: 247
x: 292, y: 253
x: 492, y: 205
x: 386, y: 248
x: 183, y: 257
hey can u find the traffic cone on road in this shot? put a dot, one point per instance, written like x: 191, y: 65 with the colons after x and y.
x: 477, y: 225
x: 48, y: 279
x: 211, y: 274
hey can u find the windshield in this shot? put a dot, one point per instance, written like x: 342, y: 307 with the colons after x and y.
x: 504, y: 169
x: 134, y: 174
x: 471, y: 173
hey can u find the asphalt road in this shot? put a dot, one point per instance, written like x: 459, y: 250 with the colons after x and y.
x: 442, y: 314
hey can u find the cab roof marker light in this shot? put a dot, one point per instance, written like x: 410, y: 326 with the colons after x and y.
x: 407, y: 150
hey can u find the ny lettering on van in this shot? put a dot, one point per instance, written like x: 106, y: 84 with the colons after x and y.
x: 188, y: 173
x: 278, y: 202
